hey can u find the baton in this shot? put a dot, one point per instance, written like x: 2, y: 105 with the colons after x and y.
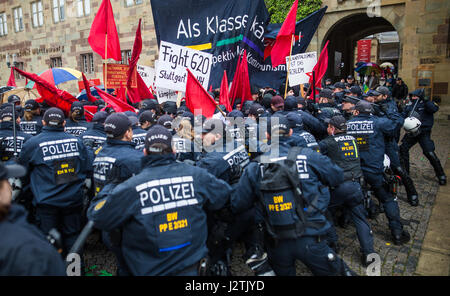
x: 79, y: 243
x: 414, y: 108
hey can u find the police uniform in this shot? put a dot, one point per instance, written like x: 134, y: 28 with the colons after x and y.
x: 79, y: 126
x: 424, y: 109
x: 343, y: 151
x: 7, y: 136
x: 34, y: 126
x: 161, y: 213
x: 369, y: 132
x: 95, y: 137
x: 316, y: 173
x: 58, y: 164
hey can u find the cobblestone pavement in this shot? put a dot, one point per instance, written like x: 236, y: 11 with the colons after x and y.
x: 396, y: 260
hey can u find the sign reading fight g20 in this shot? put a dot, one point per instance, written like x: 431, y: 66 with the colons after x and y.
x: 223, y: 28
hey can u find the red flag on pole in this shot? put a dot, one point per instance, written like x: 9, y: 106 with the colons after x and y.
x: 224, y: 98
x: 241, y: 82
x: 105, y: 26
x: 49, y: 93
x: 197, y: 98
x: 12, y: 79
x: 282, y: 46
x: 141, y: 92
x: 114, y: 102
x: 87, y: 87
x: 319, y: 69
x: 234, y: 88
x: 89, y: 112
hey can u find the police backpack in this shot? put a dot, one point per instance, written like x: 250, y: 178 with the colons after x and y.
x: 281, y: 198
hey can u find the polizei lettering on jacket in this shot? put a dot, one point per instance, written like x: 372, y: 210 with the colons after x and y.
x: 59, y: 149
x: 360, y: 127
x: 165, y: 194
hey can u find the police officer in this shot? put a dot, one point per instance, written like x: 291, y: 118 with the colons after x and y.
x: 31, y: 122
x: 147, y: 119
x: 183, y: 141
x: 339, y: 92
x: 94, y: 138
x: 161, y: 211
x: 58, y: 164
x: 348, y: 105
x: 138, y: 133
x: 342, y: 150
x: 300, y: 137
x: 386, y: 107
x: 7, y: 134
x: 423, y: 109
x: 116, y: 161
x: 315, y: 172
x: 24, y: 251
x: 369, y: 132
x: 76, y: 122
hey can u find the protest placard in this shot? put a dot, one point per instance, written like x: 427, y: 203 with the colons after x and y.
x: 147, y: 74
x: 117, y: 76
x: 301, y: 64
x: 165, y: 95
x: 173, y: 61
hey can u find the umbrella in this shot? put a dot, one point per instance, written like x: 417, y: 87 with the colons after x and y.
x: 387, y: 65
x: 57, y: 75
x: 82, y: 96
x: 367, y: 68
x: 23, y: 93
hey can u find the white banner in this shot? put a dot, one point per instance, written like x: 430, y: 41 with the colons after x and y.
x: 165, y: 95
x: 174, y: 59
x: 301, y: 64
x: 147, y: 74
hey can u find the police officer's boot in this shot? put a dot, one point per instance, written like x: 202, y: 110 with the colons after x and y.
x: 436, y: 164
x: 401, y: 238
x: 411, y: 192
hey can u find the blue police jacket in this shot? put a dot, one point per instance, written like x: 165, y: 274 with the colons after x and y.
x: 316, y: 173
x: 58, y: 164
x: 77, y: 128
x: 186, y: 149
x: 225, y: 162
x: 313, y: 125
x: 388, y: 109
x: 370, y: 132
x: 139, y: 137
x: 426, y: 110
x: 120, y: 155
x: 32, y: 127
x: 7, y: 138
x: 24, y: 250
x: 161, y: 214
x: 94, y: 138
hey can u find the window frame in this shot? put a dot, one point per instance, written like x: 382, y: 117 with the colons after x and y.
x: 87, y: 63
x: 18, y: 21
x: 86, y: 8
x: 58, y: 10
x: 3, y: 24
x: 39, y: 14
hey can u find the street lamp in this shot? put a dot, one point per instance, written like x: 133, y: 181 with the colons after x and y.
x: 8, y: 63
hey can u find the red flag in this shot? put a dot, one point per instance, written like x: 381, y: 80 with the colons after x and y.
x: 234, y: 88
x: 114, y: 102
x: 319, y: 69
x: 50, y: 94
x: 121, y: 94
x: 241, y: 85
x: 12, y: 79
x: 141, y: 92
x: 224, y: 98
x: 104, y: 28
x: 87, y: 87
x: 197, y: 98
x: 89, y: 112
x: 282, y: 47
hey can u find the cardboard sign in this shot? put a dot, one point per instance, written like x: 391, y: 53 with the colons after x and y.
x: 173, y: 61
x: 301, y: 64
x: 117, y: 76
x: 92, y: 82
x: 165, y: 95
x: 147, y: 74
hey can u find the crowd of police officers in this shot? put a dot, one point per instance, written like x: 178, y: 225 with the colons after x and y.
x: 171, y: 193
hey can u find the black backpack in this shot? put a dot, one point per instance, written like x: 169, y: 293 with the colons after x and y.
x: 281, y: 198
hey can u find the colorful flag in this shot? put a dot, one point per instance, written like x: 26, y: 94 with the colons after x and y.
x: 224, y: 98
x: 12, y: 79
x: 197, y: 98
x: 282, y: 47
x: 103, y: 30
x: 366, y: 88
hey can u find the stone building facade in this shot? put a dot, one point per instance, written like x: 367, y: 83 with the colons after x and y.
x: 55, y: 33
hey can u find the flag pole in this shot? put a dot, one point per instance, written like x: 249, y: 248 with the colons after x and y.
x: 105, y: 80
x: 289, y: 67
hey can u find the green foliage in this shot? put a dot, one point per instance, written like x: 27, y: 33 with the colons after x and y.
x: 278, y: 9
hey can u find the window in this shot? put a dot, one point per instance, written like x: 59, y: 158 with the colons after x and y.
x: 3, y: 24
x: 83, y: 7
x: 132, y: 2
x: 56, y: 62
x: 87, y: 63
x: 18, y: 19
x: 59, y: 13
x: 18, y: 65
x: 126, y: 55
x: 37, y: 15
